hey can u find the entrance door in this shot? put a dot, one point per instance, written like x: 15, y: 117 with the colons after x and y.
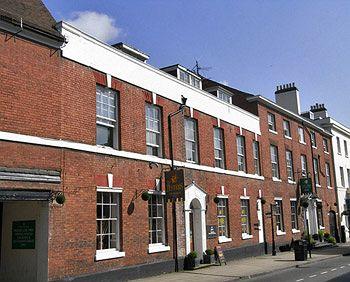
x: 332, y: 224
x: 260, y: 215
x: 191, y: 232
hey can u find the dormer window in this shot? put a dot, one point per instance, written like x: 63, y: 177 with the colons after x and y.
x: 190, y: 79
x: 224, y: 96
x: 184, y: 75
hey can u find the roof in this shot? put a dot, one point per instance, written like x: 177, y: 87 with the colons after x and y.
x: 33, y: 13
x: 208, y: 83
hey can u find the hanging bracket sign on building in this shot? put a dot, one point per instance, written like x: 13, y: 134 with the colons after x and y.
x: 306, y: 185
x: 174, y: 185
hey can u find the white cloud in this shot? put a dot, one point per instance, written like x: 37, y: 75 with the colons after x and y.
x: 99, y: 25
x: 224, y: 82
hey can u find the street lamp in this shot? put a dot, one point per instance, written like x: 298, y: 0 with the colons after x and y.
x: 180, y: 110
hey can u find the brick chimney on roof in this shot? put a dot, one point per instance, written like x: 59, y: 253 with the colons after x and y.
x: 287, y: 96
x: 319, y: 111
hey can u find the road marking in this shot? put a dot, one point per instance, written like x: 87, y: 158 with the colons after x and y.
x: 312, y: 276
x: 324, y: 272
x: 300, y: 279
x: 333, y: 269
x: 342, y: 266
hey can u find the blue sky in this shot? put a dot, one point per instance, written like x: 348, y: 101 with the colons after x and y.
x: 251, y: 45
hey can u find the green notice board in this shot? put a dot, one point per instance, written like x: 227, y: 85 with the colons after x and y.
x: 23, y: 234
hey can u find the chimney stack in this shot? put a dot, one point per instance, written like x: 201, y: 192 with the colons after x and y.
x: 287, y: 96
x: 319, y: 111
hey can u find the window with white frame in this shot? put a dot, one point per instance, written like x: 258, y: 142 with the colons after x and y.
x: 245, y: 216
x: 108, y: 221
x: 348, y: 173
x: 224, y: 96
x: 342, y: 177
x: 328, y: 175
x: 279, y: 216
x: 346, y: 149
x: 316, y: 171
x: 274, y: 161
x: 313, y: 139
x: 241, y: 153
x: 156, y: 219
x: 286, y: 128
x: 184, y: 76
x: 289, y: 163
x: 222, y: 213
x: 271, y: 121
x: 191, y: 140
x: 301, y: 135
x: 303, y: 161
x: 189, y: 79
x: 325, y: 145
x: 256, y: 157
x: 219, y: 153
x: 106, y: 117
x: 294, y: 214
x: 338, y: 146
x: 153, y: 130
x: 319, y: 214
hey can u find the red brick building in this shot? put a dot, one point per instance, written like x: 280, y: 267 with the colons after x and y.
x: 84, y: 135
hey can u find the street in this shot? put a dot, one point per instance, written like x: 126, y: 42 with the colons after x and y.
x: 334, y: 269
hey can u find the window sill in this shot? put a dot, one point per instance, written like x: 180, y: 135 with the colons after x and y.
x: 295, y: 231
x: 246, y: 236
x: 314, y: 147
x: 273, y: 132
x: 191, y: 162
x: 291, y: 181
x: 276, y: 179
x: 326, y: 152
x: 301, y: 142
x: 288, y: 137
x: 321, y: 227
x: 280, y: 233
x: 224, y: 239
x: 329, y: 187
x: 318, y: 185
x: 108, y: 254
x: 157, y: 248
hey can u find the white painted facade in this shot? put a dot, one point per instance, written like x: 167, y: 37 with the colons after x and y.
x: 340, y: 160
x: 88, y: 51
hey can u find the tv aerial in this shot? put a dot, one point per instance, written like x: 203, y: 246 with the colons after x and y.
x: 197, y: 68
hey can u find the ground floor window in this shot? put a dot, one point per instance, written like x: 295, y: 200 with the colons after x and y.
x: 156, y: 219
x: 319, y: 214
x: 245, y: 216
x: 222, y: 217
x: 279, y: 216
x: 293, y: 213
x: 108, y: 221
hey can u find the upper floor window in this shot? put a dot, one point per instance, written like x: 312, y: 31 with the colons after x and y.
x: 222, y: 215
x: 313, y: 139
x: 108, y: 222
x: 286, y: 128
x: 279, y: 216
x: 271, y: 121
x: 338, y: 145
x: 219, y: 153
x: 328, y: 175
x: 106, y: 117
x: 256, y: 156
x: 294, y: 214
x: 303, y: 161
x: 189, y: 79
x: 348, y: 172
x: 191, y: 140
x: 289, y: 163
x: 342, y: 177
x: 319, y: 214
x: 301, y: 135
x: 325, y: 145
x: 245, y: 216
x: 156, y: 219
x: 224, y: 96
x: 241, y: 153
x: 316, y: 171
x: 346, y: 149
x: 153, y: 130
x: 274, y: 161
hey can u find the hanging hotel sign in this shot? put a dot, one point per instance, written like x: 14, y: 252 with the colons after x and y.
x: 174, y: 185
x: 23, y: 234
x: 306, y: 185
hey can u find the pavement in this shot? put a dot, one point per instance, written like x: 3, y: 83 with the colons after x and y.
x: 252, y: 267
